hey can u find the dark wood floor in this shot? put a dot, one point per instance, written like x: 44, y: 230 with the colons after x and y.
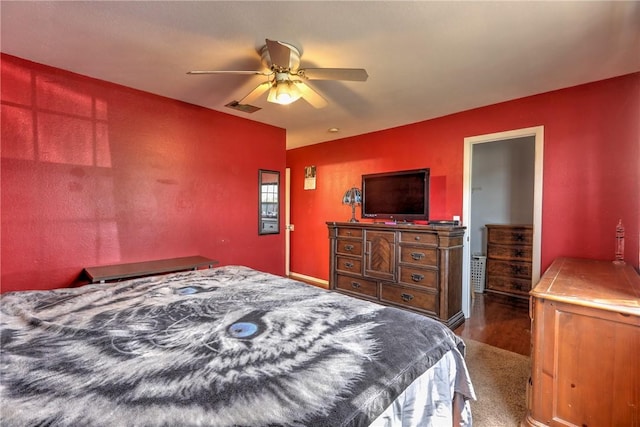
x: 499, y: 322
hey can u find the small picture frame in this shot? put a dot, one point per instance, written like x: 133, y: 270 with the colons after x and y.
x: 309, y: 177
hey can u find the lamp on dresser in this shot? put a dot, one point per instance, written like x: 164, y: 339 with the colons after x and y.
x: 353, y: 198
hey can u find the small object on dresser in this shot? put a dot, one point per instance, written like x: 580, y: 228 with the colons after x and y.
x: 444, y: 222
x: 619, y: 244
x: 352, y: 197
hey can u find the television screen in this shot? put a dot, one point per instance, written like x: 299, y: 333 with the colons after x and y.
x: 399, y: 196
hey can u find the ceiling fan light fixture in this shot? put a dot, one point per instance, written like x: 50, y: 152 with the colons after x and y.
x: 286, y: 82
x: 284, y: 93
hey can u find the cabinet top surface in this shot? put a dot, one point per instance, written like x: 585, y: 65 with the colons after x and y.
x: 509, y: 225
x: 399, y: 226
x: 593, y: 283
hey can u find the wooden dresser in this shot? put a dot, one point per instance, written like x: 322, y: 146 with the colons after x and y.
x: 585, y: 346
x: 416, y: 267
x: 509, y: 251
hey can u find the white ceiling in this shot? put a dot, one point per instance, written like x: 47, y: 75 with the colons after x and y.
x: 424, y: 59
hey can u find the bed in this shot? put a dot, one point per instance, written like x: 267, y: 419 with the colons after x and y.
x: 228, y: 346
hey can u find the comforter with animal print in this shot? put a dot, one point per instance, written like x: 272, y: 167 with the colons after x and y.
x: 229, y: 346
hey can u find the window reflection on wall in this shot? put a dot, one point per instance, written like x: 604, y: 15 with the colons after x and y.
x: 57, y: 171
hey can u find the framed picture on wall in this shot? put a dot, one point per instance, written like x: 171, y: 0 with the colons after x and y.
x: 309, y: 177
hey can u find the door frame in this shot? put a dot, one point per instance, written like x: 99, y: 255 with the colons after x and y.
x: 538, y: 133
x: 287, y: 221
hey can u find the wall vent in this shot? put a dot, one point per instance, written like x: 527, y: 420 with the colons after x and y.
x: 245, y: 108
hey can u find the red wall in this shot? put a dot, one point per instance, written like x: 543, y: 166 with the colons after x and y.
x: 95, y: 173
x: 591, y: 170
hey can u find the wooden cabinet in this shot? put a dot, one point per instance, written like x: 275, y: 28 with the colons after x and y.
x: 380, y: 254
x: 509, y: 251
x: 585, y: 346
x: 414, y: 267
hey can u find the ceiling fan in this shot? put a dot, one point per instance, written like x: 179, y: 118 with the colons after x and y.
x: 286, y: 81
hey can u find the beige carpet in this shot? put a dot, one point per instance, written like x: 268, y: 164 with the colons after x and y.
x: 499, y: 378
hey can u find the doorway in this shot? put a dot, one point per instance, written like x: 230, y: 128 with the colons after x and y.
x: 536, y: 134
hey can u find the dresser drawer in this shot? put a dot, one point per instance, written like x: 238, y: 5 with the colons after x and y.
x: 349, y: 247
x: 357, y: 285
x: 508, y: 268
x: 509, y: 235
x: 509, y: 284
x: 349, y: 265
x: 349, y: 232
x: 419, y: 238
x: 419, y: 256
x: 509, y: 252
x: 419, y: 277
x: 410, y: 297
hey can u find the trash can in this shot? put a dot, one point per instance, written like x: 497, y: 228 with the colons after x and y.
x: 478, y: 267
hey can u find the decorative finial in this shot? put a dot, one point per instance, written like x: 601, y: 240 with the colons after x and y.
x: 619, y: 244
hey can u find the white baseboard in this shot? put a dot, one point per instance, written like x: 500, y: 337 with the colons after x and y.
x: 312, y: 280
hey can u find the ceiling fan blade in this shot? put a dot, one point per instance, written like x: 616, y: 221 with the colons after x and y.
x: 280, y: 54
x: 310, y: 95
x: 258, y: 73
x: 351, y: 74
x: 255, y: 93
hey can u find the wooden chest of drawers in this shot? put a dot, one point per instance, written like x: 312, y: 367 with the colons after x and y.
x: 509, y: 254
x: 414, y: 267
x: 585, y: 333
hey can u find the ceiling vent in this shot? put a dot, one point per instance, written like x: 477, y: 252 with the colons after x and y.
x: 245, y: 108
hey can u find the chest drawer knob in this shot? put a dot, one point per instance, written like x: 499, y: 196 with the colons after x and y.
x: 355, y: 285
x: 417, y: 238
x: 518, y: 253
x: 518, y: 237
x: 406, y: 297
x: 417, y: 256
x: 348, y: 264
x: 417, y: 277
x: 348, y: 248
x: 517, y: 269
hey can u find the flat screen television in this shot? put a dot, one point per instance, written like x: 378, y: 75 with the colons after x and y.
x: 396, y: 196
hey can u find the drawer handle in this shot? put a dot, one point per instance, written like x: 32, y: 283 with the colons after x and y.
x: 355, y: 285
x: 417, y: 238
x: 517, y: 286
x: 348, y: 264
x: 406, y: 297
x: 348, y: 233
x: 517, y: 269
x: 417, y: 256
x: 348, y: 248
x: 518, y: 253
x: 518, y: 237
x: 417, y: 277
